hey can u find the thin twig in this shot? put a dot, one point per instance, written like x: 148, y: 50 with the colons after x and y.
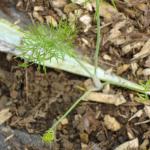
x: 143, y: 122
x: 71, y: 108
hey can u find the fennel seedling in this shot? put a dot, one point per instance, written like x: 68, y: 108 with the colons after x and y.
x: 11, y: 36
x: 43, y: 43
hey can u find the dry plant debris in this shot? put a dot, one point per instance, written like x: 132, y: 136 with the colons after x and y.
x: 133, y: 144
x: 111, y: 123
x: 125, y: 51
x: 106, y: 98
x: 5, y: 115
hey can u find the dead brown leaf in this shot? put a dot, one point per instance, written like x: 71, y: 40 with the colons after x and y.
x: 58, y: 3
x: 133, y: 144
x: 129, y: 47
x: 38, y: 8
x: 111, y: 123
x: 147, y: 110
x: 106, y: 98
x: 115, y: 33
x: 50, y: 20
x: 145, y: 51
x: 147, y: 62
x: 88, y: 122
x: 106, y: 10
x: 70, y: 8
x: 4, y: 115
x: 37, y: 16
x: 146, y: 72
x: 122, y: 69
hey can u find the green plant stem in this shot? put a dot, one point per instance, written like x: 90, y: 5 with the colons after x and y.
x: 98, y: 36
x: 54, y: 127
x: 82, y: 65
x: 71, y: 108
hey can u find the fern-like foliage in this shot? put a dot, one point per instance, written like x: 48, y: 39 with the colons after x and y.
x: 41, y: 43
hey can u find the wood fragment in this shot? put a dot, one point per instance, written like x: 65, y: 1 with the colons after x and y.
x: 133, y: 144
x: 106, y: 98
x: 4, y: 115
x: 145, y: 51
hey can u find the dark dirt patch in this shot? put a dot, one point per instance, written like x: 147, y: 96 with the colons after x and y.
x: 37, y: 99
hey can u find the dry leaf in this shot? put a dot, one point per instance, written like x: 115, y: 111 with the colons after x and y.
x: 139, y: 71
x: 145, y: 51
x: 38, y: 8
x: 70, y: 8
x: 4, y: 115
x: 137, y: 114
x: 19, y: 4
x: 106, y: 10
x: 84, y: 137
x: 88, y: 123
x: 111, y: 123
x: 107, y: 57
x: 84, y: 146
x: 142, y: 6
x: 58, y: 3
x: 147, y: 110
x: 86, y: 42
x: 115, y: 33
x: 80, y: 2
x: 147, y: 62
x: 37, y: 16
x: 86, y: 19
x: 145, y: 144
x: 51, y: 20
x: 106, y: 98
x: 130, y: 133
x: 135, y: 45
x: 134, y: 67
x: 122, y: 69
x: 88, y: 6
x: 146, y: 72
x: 133, y: 144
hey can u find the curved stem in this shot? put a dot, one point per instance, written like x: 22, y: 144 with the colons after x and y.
x: 70, y: 109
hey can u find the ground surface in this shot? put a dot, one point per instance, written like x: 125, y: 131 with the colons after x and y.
x: 35, y: 99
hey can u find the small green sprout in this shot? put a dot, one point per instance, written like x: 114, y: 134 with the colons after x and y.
x: 49, y: 136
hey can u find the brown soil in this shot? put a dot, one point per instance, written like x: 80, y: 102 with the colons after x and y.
x: 36, y: 99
